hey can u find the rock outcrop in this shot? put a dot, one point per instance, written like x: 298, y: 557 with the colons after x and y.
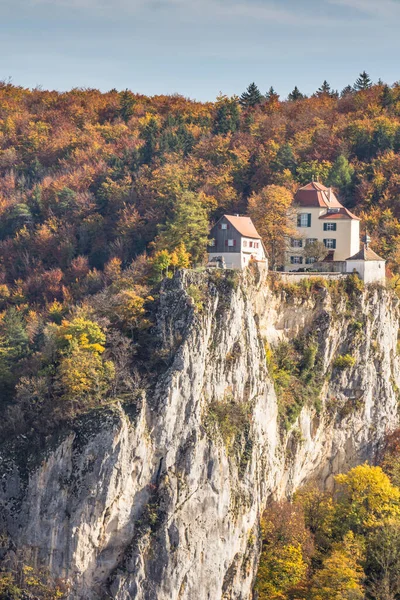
x: 160, y: 498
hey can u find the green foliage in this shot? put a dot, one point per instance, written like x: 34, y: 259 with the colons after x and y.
x: 341, y: 176
x: 227, y: 119
x: 230, y: 419
x: 188, y: 224
x: 251, y: 97
x: 295, y: 95
x: 198, y: 295
x: 83, y: 332
x: 363, y: 82
x: 297, y: 376
x: 344, y: 361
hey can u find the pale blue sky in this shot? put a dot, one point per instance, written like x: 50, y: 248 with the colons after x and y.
x: 198, y: 48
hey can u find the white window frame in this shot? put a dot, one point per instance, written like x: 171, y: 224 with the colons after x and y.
x: 224, y: 226
x: 330, y: 226
x: 296, y: 260
x: 230, y: 243
x: 304, y: 220
x: 296, y: 243
x: 330, y: 243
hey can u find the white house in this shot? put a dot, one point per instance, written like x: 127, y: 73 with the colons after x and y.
x: 367, y: 264
x: 321, y: 217
x: 235, y: 240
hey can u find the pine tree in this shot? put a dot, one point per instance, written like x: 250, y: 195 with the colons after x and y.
x: 251, y: 97
x: 126, y: 105
x: 227, y: 119
x: 271, y: 95
x: 296, y: 95
x: 325, y: 88
x: 363, y: 82
x: 387, y: 96
x: 149, y: 134
x: 347, y: 91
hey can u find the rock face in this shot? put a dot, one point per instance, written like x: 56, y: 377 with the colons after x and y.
x: 161, y: 498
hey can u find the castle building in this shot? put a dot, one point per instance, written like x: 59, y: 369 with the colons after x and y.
x: 234, y: 241
x: 321, y: 217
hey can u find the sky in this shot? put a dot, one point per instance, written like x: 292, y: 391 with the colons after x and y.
x: 198, y: 48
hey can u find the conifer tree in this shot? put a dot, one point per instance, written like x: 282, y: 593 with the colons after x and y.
x: 325, y: 88
x: 271, y: 95
x: 149, y: 134
x: 363, y: 82
x: 346, y: 91
x: 296, y: 95
x: 251, y: 97
x: 126, y: 105
x: 387, y: 96
x: 227, y: 119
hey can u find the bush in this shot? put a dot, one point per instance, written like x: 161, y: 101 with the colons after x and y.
x: 198, y: 296
x: 344, y: 361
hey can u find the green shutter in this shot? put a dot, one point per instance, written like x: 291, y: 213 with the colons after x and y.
x: 309, y: 220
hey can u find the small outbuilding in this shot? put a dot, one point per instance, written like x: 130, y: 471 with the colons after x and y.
x: 367, y: 264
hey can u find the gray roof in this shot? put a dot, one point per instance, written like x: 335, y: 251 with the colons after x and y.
x: 366, y: 254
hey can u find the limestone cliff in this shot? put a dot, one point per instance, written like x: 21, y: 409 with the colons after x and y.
x: 160, y: 498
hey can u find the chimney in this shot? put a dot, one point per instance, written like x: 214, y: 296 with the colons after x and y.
x: 329, y: 195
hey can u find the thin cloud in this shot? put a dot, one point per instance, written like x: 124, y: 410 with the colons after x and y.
x: 267, y: 12
x: 387, y: 9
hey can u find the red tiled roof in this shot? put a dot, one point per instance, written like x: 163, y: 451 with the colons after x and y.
x: 315, y: 194
x: 343, y: 213
x: 365, y: 254
x: 244, y: 225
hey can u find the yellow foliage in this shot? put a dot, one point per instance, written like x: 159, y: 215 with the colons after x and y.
x: 366, y: 497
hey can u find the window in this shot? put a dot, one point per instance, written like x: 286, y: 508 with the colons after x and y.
x: 329, y: 226
x: 331, y: 211
x: 310, y: 261
x: 296, y: 260
x: 255, y: 244
x: 311, y: 241
x: 304, y: 220
x: 230, y: 242
x: 244, y: 243
x: 296, y: 243
x: 224, y: 226
x: 329, y: 243
x: 211, y: 242
x: 251, y: 244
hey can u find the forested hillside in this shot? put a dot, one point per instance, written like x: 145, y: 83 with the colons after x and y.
x: 101, y: 196
x: 103, y: 193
